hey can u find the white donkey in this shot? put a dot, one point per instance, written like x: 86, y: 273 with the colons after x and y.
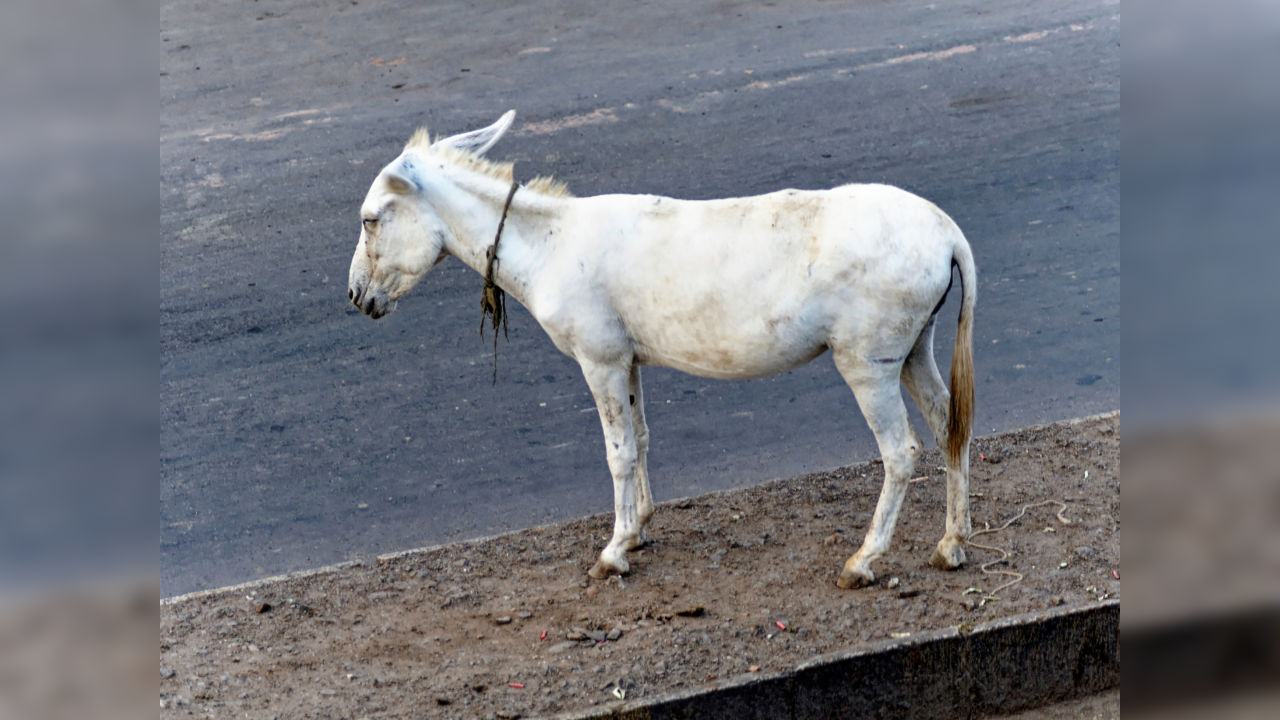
x: 732, y: 289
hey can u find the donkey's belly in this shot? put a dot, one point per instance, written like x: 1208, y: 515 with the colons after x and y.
x: 725, y: 354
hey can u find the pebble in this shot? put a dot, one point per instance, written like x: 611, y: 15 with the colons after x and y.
x: 502, y: 620
x: 166, y: 673
x: 597, y: 635
x: 524, y: 615
x: 561, y: 647
x: 614, y: 634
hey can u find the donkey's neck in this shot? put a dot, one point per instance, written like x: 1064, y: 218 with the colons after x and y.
x: 472, y: 206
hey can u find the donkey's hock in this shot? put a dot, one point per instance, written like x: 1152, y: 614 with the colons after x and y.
x: 735, y: 288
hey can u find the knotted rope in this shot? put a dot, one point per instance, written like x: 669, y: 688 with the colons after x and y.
x: 493, y: 301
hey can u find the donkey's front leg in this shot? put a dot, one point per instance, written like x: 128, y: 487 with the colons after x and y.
x: 609, y: 385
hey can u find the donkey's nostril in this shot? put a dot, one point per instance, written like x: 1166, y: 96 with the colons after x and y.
x: 351, y: 294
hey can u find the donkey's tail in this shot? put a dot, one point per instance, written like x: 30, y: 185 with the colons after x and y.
x: 960, y: 414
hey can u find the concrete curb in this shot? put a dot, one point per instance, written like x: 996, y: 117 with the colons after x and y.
x: 1000, y: 667
x: 258, y: 584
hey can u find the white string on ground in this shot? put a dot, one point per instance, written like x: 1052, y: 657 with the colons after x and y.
x: 1004, y: 555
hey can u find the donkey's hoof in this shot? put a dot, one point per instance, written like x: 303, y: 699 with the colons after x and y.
x: 602, y: 570
x: 949, y: 555
x: 855, y: 578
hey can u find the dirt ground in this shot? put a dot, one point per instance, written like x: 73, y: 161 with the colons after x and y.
x: 734, y: 582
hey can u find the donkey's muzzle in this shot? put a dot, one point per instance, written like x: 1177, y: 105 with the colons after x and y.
x: 371, y: 303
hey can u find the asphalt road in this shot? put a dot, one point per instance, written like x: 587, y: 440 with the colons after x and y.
x: 297, y: 432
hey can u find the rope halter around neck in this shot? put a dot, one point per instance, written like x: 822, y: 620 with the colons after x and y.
x: 493, y: 300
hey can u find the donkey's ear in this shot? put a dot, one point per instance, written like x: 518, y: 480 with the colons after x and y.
x: 477, y: 142
x: 398, y: 181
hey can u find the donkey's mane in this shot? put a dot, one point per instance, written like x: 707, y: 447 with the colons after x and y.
x: 505, y: 171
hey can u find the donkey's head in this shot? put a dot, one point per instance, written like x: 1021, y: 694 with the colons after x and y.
x: 402, y: 236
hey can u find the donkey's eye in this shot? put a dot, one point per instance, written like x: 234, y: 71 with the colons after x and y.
x: 370, y: 224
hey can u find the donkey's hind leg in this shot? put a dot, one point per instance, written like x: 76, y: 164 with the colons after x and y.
x: 641, y: 430
x: 920, y: 376
x: 881, y: 401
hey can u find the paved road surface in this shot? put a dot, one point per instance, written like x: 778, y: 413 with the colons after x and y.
x: 297, y: 432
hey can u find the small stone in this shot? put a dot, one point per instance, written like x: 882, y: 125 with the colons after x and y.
x: 576, y: 635
x: 1084, y: 552
x: 592, y: 592
x: 502, y: 620
x: 524, y: 615
x: 328, y: 693
x: 442, y: 700
x: 508, y: 715
x: 613, y: 634
x: 561, y: 647
x: 1056, y: 600
x: 166, y: 673
x: 262, y: 608
x: 908, y: 592
x: 893, y: 583
x: 596, y: 635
